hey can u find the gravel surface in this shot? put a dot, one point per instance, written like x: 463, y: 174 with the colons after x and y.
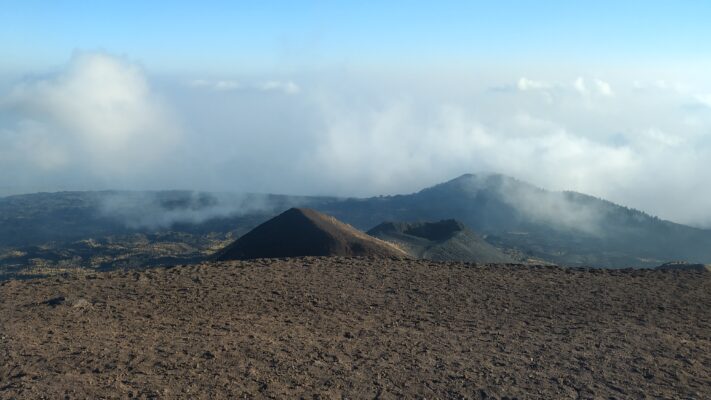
x: 358, y: 328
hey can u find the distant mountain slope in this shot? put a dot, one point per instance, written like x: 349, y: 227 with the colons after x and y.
x: 561, y: 227
x: 64, y: 217
x: 304, y: 232
x: 565, y: 228
x: 684, y: 266
x: 446, y: 240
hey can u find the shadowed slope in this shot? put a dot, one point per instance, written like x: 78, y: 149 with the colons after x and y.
x: 305, y: 232
x: 446, y: 240
x: 684, y: 266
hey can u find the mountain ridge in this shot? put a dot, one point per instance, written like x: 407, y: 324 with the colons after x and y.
x: 561, y: 227
x: 566, y: 228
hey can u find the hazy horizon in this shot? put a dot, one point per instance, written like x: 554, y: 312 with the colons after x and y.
x: 344, y: 99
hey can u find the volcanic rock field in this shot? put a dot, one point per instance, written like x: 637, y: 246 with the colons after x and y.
x: 343, y: 327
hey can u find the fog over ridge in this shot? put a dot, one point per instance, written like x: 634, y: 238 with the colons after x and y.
x: 159, y: 210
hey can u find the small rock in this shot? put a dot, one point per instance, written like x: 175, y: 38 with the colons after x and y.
x: 81, y: 303
x: 54, y: 301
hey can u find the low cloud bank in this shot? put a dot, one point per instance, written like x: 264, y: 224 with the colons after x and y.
x: 161, y: 210
x: 102, y: 122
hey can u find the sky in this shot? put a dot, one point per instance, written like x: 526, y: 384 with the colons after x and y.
x: 345, y: 98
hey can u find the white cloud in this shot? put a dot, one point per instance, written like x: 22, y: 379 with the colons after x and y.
x: 580, y: 86
x: 32, y: 143
x: 704, y: 99
x: 603, y: 88
x: 525, y: 84
x: 640, y: 151
x: 220, y: 85
x: 285, y: 87
x: 662, y: 85
x: 656, y: 138
x: 98, y: 113
x: 368, y: 134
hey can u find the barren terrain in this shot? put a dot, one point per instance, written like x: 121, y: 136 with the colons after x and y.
x: 358, y: 328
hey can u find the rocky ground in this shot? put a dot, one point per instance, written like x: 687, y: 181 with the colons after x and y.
x: 358, y: 328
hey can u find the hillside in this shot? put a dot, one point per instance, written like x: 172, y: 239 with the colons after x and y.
x: 684, y: 266
x: 356, y: 328
x: 561, y: 227
x: 446, y: 240
x: 301, y: 232
x: 54, y: 233
x: 50, y: 231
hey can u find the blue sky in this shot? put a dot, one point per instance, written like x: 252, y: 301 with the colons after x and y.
x: 228, y: 35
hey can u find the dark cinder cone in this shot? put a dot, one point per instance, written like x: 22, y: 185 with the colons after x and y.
x: 301, y: 232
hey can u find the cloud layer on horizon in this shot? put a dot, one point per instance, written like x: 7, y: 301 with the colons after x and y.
x: 102, y: 121
x: 95, y: 120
